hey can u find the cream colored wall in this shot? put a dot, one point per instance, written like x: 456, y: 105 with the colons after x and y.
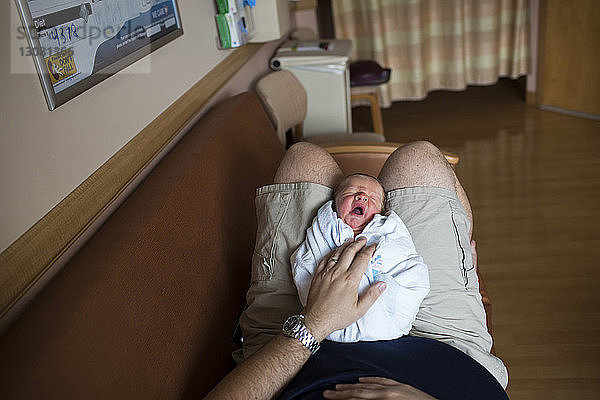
x: 44, y: 155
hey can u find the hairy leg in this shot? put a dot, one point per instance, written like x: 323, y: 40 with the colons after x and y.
x: 422, y: 164
x: 307, y: 162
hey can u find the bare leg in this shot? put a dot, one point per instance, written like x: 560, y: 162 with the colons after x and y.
x: 307, y: 162
x: 422, y: 164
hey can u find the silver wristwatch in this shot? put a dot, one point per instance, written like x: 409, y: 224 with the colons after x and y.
x: 294, y: 327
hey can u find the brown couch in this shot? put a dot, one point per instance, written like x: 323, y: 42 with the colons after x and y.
x: 146, y: 309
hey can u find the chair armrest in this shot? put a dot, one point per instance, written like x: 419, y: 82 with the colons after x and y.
x: 368, y: 157
x: 386, y: 148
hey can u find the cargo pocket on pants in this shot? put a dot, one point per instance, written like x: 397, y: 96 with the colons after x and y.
x: 463, y: 247
x: 271, y: 211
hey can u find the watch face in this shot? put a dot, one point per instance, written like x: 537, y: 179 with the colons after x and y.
x: 291, y: 324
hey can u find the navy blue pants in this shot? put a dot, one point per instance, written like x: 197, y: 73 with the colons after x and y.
x: 426, y: 364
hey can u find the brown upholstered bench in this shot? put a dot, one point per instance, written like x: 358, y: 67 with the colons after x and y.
x: 147, y: 307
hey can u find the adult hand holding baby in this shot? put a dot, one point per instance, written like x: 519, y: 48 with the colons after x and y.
x: 333, y: 302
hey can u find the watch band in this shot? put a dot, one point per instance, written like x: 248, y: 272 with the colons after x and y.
x: 294, y: 327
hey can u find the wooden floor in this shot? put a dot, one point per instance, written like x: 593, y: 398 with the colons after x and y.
x: 533, y: 179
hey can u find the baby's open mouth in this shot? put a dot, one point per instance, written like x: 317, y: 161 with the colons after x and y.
x: 358, y: 210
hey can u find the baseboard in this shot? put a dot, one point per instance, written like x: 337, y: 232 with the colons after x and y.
x: 570, y: 112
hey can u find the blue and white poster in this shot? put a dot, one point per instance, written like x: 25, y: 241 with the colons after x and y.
x: 76, y: 44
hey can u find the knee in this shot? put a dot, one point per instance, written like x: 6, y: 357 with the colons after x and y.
x: 304, y: 149
x: 306, y: 154
x: 420, y: 152
x: 307, y: 162
x: 421, y: 147
x: 416, y: 164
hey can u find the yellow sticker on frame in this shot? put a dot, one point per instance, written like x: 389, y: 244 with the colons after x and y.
x: 61, y: 65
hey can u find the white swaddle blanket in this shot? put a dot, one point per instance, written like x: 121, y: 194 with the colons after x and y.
x: 395, y: 262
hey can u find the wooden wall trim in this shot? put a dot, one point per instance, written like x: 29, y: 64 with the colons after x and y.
x: 28, y: 259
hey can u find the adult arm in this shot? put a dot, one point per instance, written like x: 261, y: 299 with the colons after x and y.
x: 332, y: 304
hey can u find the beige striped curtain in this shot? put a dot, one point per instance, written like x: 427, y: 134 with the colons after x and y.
x: 436, y: 44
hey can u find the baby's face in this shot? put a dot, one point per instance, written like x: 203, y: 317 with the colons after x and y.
x: 359, y: 198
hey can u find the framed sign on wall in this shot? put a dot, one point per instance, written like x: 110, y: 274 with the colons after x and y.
x: 77, y: 44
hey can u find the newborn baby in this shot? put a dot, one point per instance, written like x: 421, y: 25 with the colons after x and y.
x: 356, y: 212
